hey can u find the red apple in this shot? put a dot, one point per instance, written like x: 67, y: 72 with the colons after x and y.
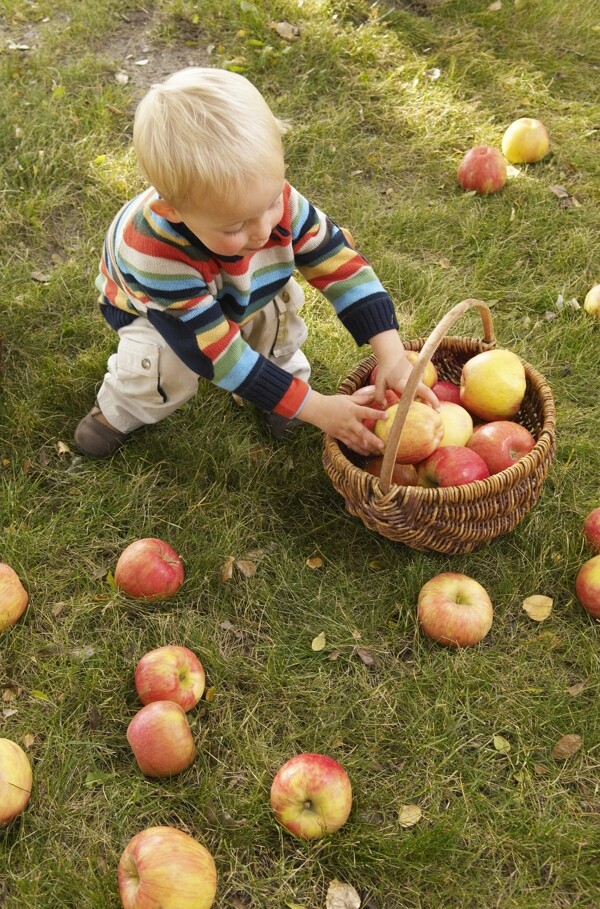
x: 402, y: 474
x: 165, y: 868
x: 501, y: 443
x: 492, y: 384
x: 170, y: 673
x: 430, y: 374
x: 421, y: 434
x: 391, y: 397
x: 13, y: 597
x: 452, y: 465
x: 525, y: 141
x: 149, y: 569
x: 455, y: 610
x: 483, y: 170
x: 591, y: 529
x: 591, y: 304
x: 15, y: 780
x: 311, y: 795
x: 587, y: 586
x: 446, y: 391
x: 161, y: 739
x: 458, y: 424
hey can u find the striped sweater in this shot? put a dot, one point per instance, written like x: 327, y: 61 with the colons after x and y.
x: 197, y: 301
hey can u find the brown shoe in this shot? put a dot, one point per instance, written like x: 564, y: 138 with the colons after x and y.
x: 95, y: 436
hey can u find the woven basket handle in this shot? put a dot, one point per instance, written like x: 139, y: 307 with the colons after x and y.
x: 427, y: 351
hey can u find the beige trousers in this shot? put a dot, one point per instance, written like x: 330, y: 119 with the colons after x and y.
x: 146, y: 381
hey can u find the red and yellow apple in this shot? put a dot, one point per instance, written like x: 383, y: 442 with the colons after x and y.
x: 587, y: 586
x: 591, y: 304
x: 455, y: 610
x: 492, y: 384
x: 165, y: 868
x: 446, y: 391
x: 452, y: 465
x: 458, y: 424
x: 421, y: 434
x: 430, y: 374
x: 15, y: 780
x: 391, y: 397
x: 501, y: 443
x: 402, y: 474
x: 149, y: 569
x: 311, y: 795
x: 170, y: 673
x: 13, y: 596
x: 161, y: 739
x: 482, y: 170
x: 591, y: 528
x: 525, y: 141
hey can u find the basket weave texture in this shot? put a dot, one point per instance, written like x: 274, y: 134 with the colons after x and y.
x: 456, y: 519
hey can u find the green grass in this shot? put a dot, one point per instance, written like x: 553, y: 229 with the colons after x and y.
x: 383, y: 100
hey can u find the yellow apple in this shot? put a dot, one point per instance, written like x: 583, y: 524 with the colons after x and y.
x: 15, y: 780
x: 525, y: 141
x: 430, y: 374
x: 492, y: 385
x: 421, y: 434
x: 458, y: 424
x: 591, y: 304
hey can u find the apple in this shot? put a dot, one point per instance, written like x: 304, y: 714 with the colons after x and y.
x: 587, y: 586
x: 165, y: 868
x: 591, y: 528
x: 455, y: 610
x: 149, y: 569
x: 391, y: 397
x: 591, y: 304
x: 15, y: 780
x: 446, y: 391
x: 501, y: 443
x: 525, y: 141
x: 161, y: 739
x: 170, y: 673
x: 430, y: 374
x: 483, y: 170
x: 458, y: 424
x: 492, y: 384
x: 13, y: 597
x: 402, y: 474
x: 452, y: 465
x: 311, y: 795
x: 421, y: 434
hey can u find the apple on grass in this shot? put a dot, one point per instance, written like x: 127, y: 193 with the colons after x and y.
x: 13, y: 597
x: 492, y: 384
x: 452, y: 465
x: 458, y: 424
x: 311, y: 795
x: 525, y: 141
x: 587, y: 586
x: 170, y: 673
x: 402, y: 474
x: 149, y: 569
x: 165, y: 868
x: 501, y: 443
x: 455, y: 610
x: 591, y: 304
x: 421, y: 434
x: 15, y: 780
x: 482, y: 170
x: 446, y: 391
x: 591, y: 528
x: 161, y: 739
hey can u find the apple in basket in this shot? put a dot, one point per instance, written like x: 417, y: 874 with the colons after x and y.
x: 170, y: 673
x: 391, y: 397
x: 452, y: 465
x: 458, y: 424
x: 421, y: 434
x: 13, y: 597
x: 501, y: 443
x: 311, y: 795
x: 492, y: 384
x: 15, y: 780
x: 446, y: 391
x: 165, y: 868
x: 402, y: 474
x: 525, y: 141
x: 482, y: 170
x: 161, y: 739
x: 455, y: 610
x: 149, y: 569
x: 591, y: 528
x: 430, y: 374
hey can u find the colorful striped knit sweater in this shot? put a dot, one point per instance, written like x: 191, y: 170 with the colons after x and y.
x: 197, y: 301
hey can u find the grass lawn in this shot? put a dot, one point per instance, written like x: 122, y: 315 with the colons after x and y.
x: 383, y: 100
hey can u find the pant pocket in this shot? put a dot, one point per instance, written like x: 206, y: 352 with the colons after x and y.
x: 291, y: 329
x: 138, y: 370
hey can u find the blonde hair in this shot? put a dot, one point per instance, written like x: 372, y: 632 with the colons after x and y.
x: 205, y: 133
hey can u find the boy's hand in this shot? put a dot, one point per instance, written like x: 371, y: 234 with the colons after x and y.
x: 341, y: 416
x: 394, y: 369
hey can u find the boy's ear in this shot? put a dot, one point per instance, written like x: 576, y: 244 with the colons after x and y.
x: 164, y: 210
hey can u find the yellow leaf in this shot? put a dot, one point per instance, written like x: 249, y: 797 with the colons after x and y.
x: 227, y: 569
x: 318, y: 643
x: 501, y: 744
x: 538, y: 607
x: 28, y: 740
x: 342, y: 896
x: 409, y: 815
x: 210, y: 693
x: 314, y: 562
x: 100, y: 159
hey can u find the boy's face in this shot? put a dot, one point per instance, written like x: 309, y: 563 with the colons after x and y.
x: 233, y: 227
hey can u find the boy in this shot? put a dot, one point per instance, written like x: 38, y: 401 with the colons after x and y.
x: 196, y: 275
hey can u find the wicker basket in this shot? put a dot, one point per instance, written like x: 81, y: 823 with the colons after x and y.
x: 456, y: 519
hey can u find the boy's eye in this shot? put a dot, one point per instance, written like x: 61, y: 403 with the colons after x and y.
x: 232, y: 233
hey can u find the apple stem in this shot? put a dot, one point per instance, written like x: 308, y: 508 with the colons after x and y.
x: 308, y: 804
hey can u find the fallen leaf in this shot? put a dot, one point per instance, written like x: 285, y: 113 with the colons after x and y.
x: 501, y: 744
x: 314, y: 562
x: 40, y: 277
x: 319, y: 642
x: 334, y: 655
x: 538, y: 607
x: 577, y: 688
x: 295, y: 906
x: 62, y: 448
x: 83, y: 653
x: 409, y: 815
x: 57, y: 609
x: 356, y: 634
x: 209, y: 694
x: 93, y: 717
x: 245, y: 567
x: 444, y: 263
x: 143, y: 62
x: 121, y: 78
x: 495, y: 6
x: 239, y: 401
x: 566, y: 747
x: 367, y: 657
x: 9, y: 694
x: 227, y: 569
x: 285, y: 30
x: 28, y: 740
x: 559, y: 191
x: 39, y: 695
x: 342, y: 896
x: 9, y: 712
x: 540, y: 770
